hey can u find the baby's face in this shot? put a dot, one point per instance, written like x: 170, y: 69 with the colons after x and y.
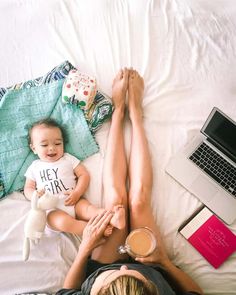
x: 47, y: 143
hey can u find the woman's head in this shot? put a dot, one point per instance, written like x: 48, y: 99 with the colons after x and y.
x: 123, y: 281
x: 46, y: 139
x: 129, y: 285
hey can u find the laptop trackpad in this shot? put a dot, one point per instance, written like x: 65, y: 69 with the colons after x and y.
x: 203, y: 188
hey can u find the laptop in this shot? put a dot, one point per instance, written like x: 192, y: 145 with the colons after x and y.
x: 206, y: 166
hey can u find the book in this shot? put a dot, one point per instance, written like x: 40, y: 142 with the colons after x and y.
x: 210, y: 236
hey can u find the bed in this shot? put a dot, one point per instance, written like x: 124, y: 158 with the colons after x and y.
x: 186, y: 52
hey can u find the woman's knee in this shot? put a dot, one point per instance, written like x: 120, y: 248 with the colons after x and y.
x: 139, y: 199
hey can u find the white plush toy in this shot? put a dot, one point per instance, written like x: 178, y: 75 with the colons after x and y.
x: 36, y: 220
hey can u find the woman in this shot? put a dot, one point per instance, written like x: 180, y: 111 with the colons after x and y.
x: 97, y: 256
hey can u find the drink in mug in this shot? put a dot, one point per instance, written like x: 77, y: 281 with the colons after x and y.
x: 141, y: 242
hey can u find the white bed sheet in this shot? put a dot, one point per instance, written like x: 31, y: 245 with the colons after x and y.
x: 186, y: 51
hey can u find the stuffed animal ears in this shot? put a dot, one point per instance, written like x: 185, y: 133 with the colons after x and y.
x: 26, y: 249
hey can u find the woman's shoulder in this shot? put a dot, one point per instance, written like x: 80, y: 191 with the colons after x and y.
x: 68, y: 292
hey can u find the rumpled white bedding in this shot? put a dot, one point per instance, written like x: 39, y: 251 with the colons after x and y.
x: 186, y: 51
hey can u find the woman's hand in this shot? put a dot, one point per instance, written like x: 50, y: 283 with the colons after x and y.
x: 91, y: 238
x: 93, y: 234
x: 159, y: 256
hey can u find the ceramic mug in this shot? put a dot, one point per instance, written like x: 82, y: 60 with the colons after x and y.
x: 140, y: 242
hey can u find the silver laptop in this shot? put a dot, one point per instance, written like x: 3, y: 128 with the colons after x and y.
x: 206, y: 166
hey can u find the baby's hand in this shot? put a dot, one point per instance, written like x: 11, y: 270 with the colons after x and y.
x: 72, y: 198
x: 40, y: 192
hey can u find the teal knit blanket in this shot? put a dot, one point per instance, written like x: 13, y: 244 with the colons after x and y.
x: 22, y: 106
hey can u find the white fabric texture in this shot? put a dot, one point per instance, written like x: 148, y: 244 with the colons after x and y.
x: 186, y: 52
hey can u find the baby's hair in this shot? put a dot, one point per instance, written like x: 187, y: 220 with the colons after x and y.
x: 50, y: 123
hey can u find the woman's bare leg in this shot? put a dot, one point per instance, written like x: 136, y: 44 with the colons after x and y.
x: 140, y: 168
x: 115, y: 172
x: 140, y: 176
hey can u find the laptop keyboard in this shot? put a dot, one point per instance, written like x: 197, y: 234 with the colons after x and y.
x: 216, y: 167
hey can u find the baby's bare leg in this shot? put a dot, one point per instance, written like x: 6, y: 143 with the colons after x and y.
x: 85, y: 211
x: 61, y: 221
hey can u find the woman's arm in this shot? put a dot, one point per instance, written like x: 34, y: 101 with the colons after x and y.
x: 76, y: 273
x: 182, y: 281
x: 92, y: 238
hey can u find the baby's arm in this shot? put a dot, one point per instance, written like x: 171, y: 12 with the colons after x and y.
x: 29, y: 188
x: 82, y: 184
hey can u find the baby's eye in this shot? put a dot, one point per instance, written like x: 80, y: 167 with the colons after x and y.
x: 58, y: 143
x: 43, y: 145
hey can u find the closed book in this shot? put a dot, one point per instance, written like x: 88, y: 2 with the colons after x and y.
x: 210, y: 237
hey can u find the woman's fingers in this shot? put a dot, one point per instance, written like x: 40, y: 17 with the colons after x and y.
x: 94, y: 220
x: 98, y: 223
x: 146, y: 260
x: 99, y: 219
x: 105, y: 219
x: 94, y: 230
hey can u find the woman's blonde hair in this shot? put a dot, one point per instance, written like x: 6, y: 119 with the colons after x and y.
x: 129, y: 285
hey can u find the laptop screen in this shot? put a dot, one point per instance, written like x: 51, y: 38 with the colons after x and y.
x: 222, y: 131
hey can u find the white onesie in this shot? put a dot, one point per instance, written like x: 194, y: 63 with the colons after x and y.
x: 55, y: 177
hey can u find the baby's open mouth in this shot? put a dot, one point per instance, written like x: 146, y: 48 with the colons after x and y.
x: 52, y: 155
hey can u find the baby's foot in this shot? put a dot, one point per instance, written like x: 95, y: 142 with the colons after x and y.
x: 108, y: 231
x: 119, y: 88
x: 135, y: 91
x: 118, y: 220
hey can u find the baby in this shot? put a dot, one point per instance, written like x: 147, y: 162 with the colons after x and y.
x: 62, y: 174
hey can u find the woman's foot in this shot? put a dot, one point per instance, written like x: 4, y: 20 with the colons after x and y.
x: 135, y: 93
x: 119, y: 88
